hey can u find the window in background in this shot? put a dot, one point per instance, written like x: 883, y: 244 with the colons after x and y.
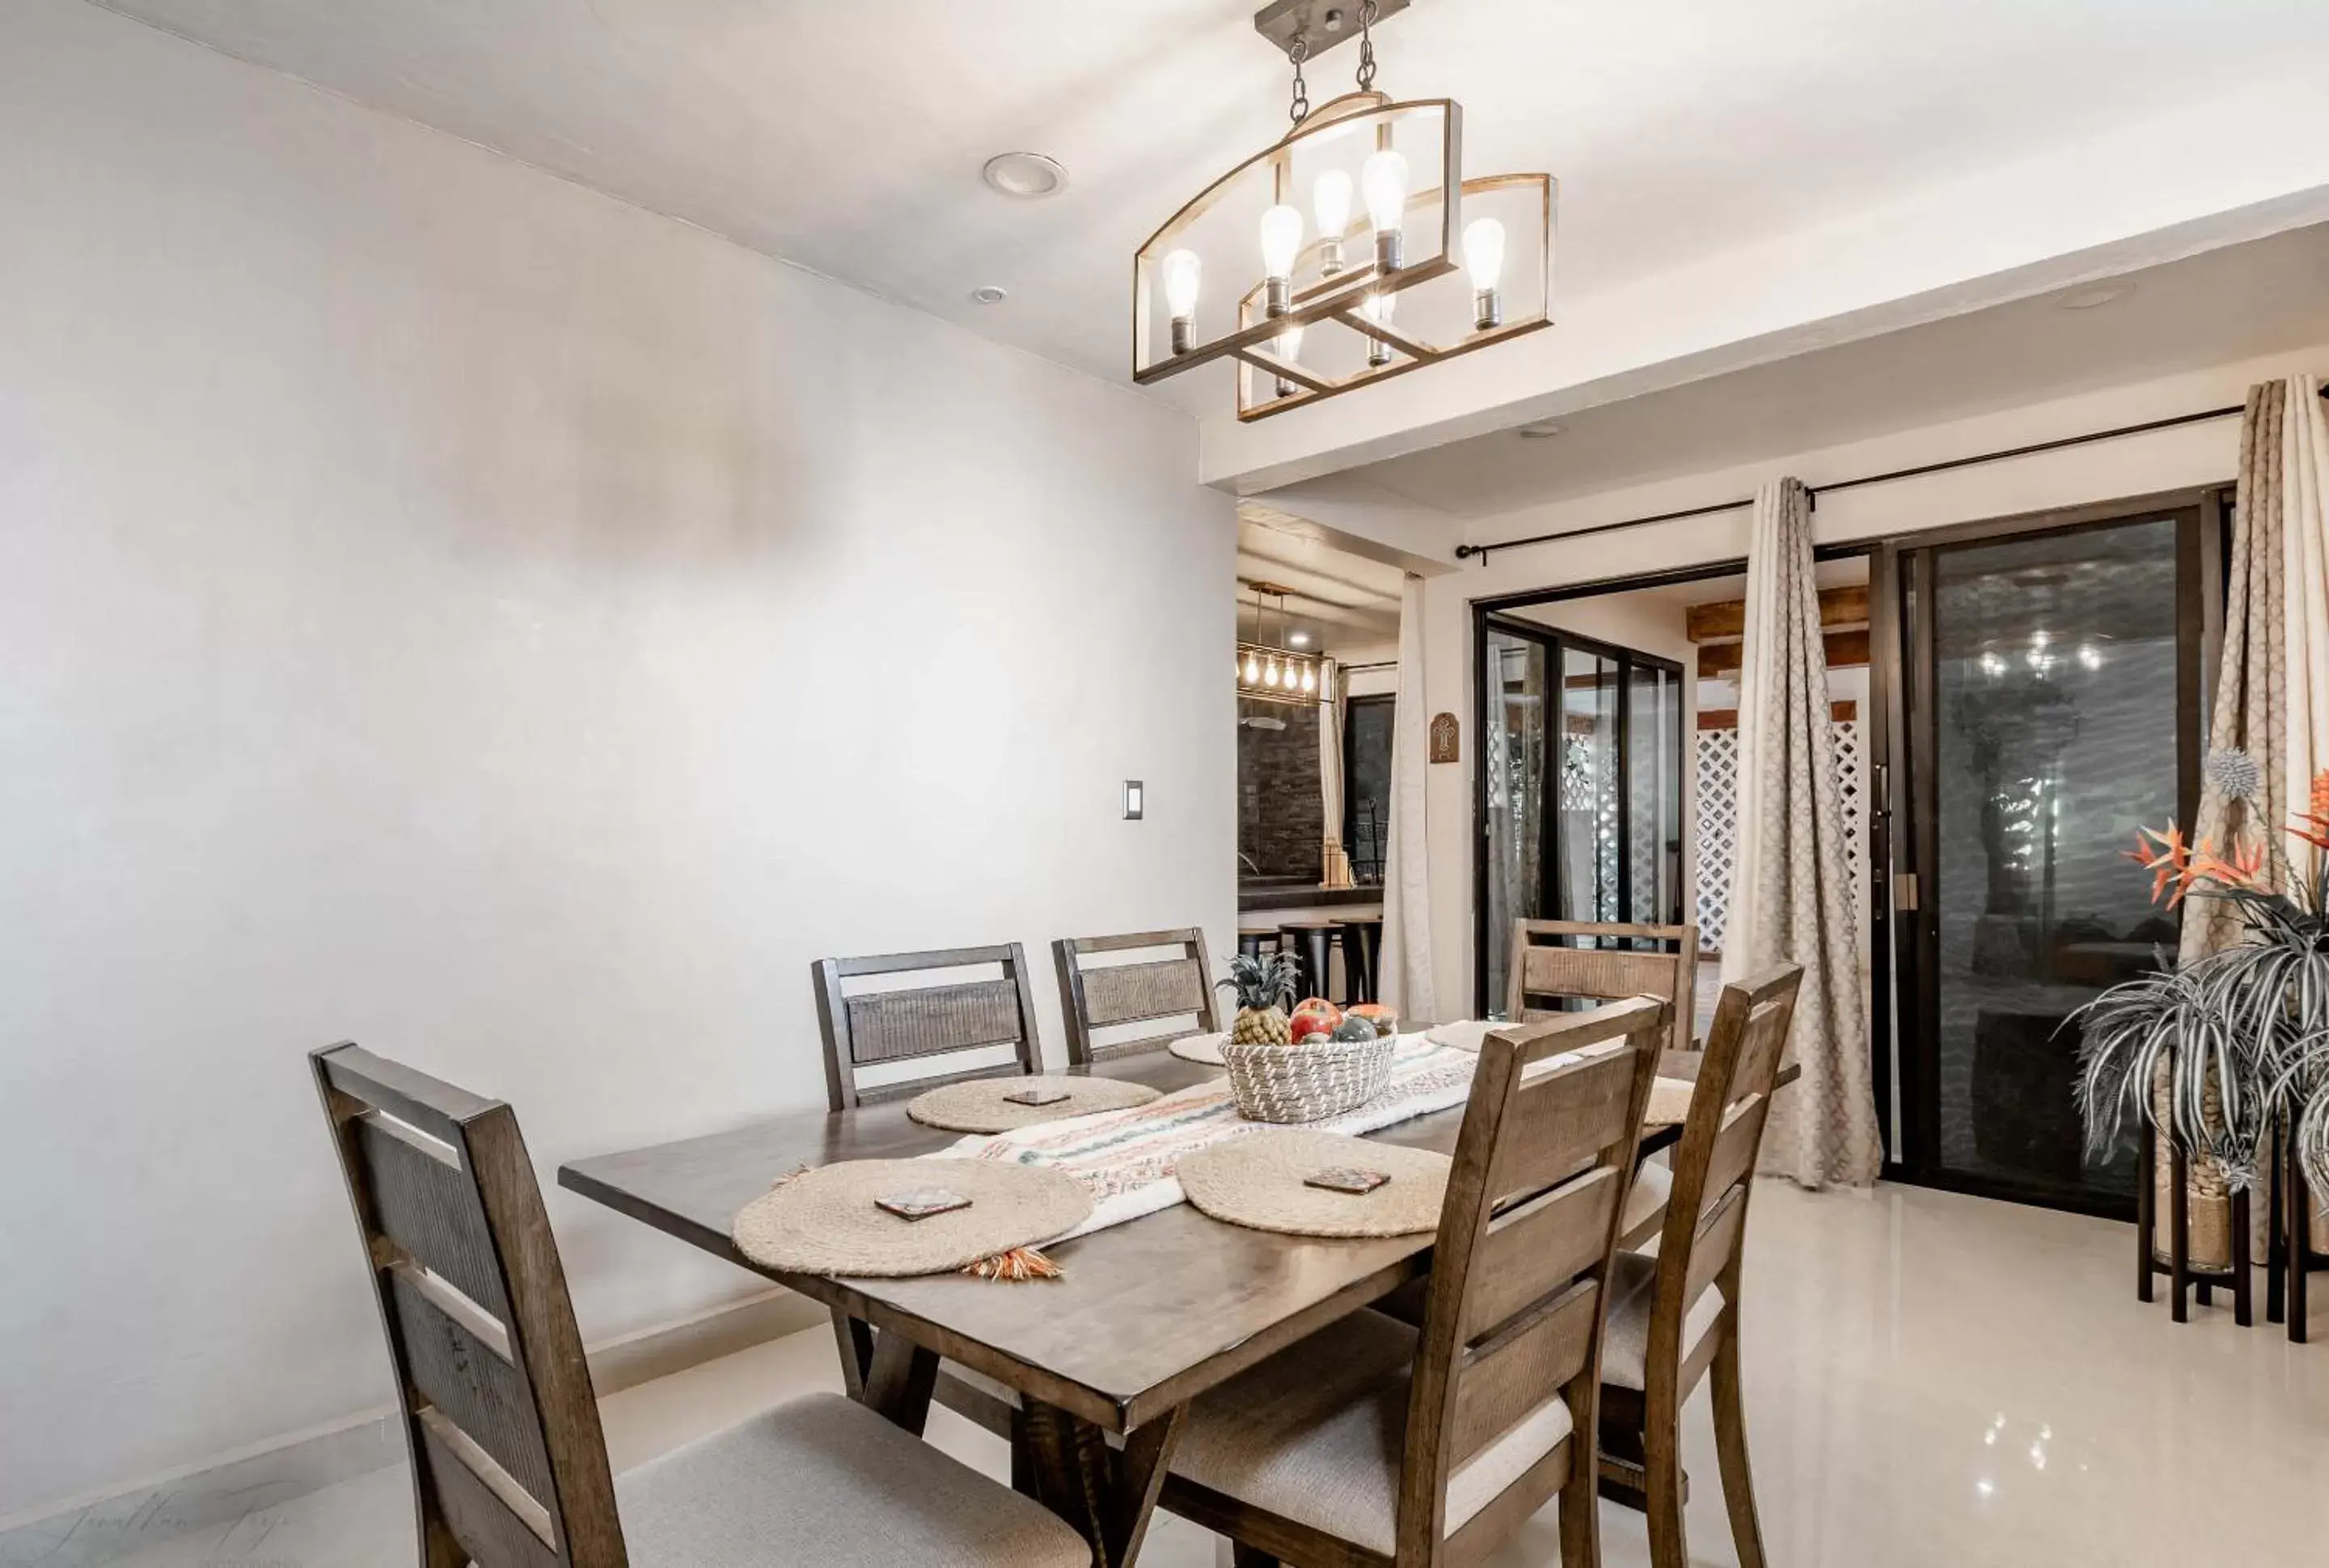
x: 1366, y: 785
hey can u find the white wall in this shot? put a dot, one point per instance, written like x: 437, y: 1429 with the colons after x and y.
x: 2188, y: 455
x: 446, y: 608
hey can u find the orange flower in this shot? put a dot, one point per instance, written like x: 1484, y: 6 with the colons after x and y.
x: 2319, y: 805
x: 2240, y: 871
x: 2169, y: 864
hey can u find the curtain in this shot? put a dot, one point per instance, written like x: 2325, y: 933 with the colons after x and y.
x: 1406, y: 984
x: 2271, y: 699
x: 1335, y: 867
x: 1792, y: 894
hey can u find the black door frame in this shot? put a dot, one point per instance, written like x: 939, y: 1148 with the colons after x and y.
x: 1487, y: 617
x: 1910, y: 710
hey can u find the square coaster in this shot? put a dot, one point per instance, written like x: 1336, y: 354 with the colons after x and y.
x: 1039, y: 1094
x: 921, y: 1203
x: 1343, y: 1178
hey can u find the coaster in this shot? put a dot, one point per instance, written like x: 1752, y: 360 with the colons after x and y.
x: 829, y: 1220
x: 1262, y: 1181
x: 921, y: 1203
x: 1204, y: 1048
x: 1344, y: 1178
x: 994, y: 1104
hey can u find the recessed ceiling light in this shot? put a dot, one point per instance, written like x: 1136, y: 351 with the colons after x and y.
x: 1297, y: 639
x: 988, y: 294
x: 1540, y: 429
x: 1029, y: 176
x: 2090, y: 299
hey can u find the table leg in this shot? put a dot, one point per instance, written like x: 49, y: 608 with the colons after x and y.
x: 854, y: 1339
x: 898, y: 1384
x: 1107, y: 1495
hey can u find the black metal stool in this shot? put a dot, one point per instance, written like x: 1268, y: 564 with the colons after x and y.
x: 1361, y: 954
x: 1314, y: 943
x: 1254, y: 941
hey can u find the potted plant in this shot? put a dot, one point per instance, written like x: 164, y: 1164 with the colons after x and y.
x: 2217, y: 1053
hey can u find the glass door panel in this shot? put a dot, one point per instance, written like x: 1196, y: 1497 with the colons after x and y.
x: 1515, y: 756
x: 2053, y: 730
x: 1653, y: 742
x: 1590, y: 888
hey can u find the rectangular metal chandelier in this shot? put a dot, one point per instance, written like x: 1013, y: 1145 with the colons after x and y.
x: 1357, y: 283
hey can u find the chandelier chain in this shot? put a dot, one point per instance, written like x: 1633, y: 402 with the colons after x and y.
x: 1299, y: 109
x: 1366, y: 46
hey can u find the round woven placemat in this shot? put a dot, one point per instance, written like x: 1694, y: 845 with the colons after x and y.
x: 1669, y: 1102
x: 1204, y: 1048
x: 1255, y: 1181
x: 978, y: 1106
x: 825, y: 1222
x: 1465, y: 1035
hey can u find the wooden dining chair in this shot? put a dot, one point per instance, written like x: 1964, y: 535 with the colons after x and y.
x: 924, y: 1026
x: 1673, y: 1316
x: 1100, y: 997
x: 508, y: 1461
x: 1552, y: 963
x: 1375, y: 1442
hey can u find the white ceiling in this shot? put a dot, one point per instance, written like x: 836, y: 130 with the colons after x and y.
x: 1343, y: 600
x: 2244, y: 301
x: 847, y: 137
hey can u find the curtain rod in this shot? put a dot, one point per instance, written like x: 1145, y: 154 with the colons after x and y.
x: 1466, y: 551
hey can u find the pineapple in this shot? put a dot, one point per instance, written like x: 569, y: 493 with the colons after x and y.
x: 1264, y: 987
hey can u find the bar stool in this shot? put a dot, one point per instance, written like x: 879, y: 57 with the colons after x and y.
x: 1362, y: 956
x: 1253, y: 942
x: 1314, y: 943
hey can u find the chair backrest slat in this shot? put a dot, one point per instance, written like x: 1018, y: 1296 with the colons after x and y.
x: 1555, y: 960
x: 1098, y: 996
x: 1705, y: 1227
x: 894, y: 1023
x: 1521, y: 1264
x: 509, y: 1461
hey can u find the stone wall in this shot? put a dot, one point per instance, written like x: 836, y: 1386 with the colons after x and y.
x: 1281, y: 816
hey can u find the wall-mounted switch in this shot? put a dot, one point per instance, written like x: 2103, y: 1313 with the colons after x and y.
x: 1136, y: 798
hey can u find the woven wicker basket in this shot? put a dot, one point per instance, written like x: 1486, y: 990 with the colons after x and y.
x: 1309, y: 1082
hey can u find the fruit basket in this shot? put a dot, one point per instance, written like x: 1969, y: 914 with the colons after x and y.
x: 1306, y: 1082
x: 1283, y: 1069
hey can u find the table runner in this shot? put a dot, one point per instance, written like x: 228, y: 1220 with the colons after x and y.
x: 1127, y: 1159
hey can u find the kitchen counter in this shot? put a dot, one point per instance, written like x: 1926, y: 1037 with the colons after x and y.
x: 1273, y: 897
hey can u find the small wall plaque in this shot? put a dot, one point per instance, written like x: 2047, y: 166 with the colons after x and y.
x: 1445, y: 747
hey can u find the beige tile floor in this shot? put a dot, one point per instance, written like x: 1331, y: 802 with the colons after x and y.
x: 1932, y: 1380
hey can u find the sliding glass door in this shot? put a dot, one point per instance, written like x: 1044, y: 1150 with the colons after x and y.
x: 1579, y: 790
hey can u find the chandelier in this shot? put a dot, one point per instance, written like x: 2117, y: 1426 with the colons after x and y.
x: 1269, y: 671
x: 1347, y: 293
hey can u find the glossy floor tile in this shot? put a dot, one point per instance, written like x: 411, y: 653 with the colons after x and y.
x: 1932, y: 1380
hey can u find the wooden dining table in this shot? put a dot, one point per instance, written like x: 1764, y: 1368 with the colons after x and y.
x: 1145, y: 1317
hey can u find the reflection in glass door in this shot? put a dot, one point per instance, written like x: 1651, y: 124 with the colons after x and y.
x: 1579, y: 787
x: 2057, y: 678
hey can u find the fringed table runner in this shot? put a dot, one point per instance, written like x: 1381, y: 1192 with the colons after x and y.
x: 1128, y: 1160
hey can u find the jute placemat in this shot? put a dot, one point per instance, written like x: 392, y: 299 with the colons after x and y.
x: 1669, y: 1102
x: 1257, y: 1181
x: 1204, y: 1048
x: 1465, y: 1035
x: 979, y: 1106
x: 824, y: 1221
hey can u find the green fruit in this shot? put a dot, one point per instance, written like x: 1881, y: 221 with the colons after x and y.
x: 1353, y: 1031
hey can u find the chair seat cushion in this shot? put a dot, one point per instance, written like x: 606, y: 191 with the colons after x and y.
x: 1315, y: 1436
x: 1625, y: 1348
x: 1646, y: 1199
x: 822, y: 1481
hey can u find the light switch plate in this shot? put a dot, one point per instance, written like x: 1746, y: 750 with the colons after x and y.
x: 1135, y: 800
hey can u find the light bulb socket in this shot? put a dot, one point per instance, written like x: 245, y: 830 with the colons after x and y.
x: 1330, y: 255
x: 1378, y: 353
x: 1180, y: 334
x: 1487, y: 308
x: 1286, y: 389
x: 1390, y: 250
x: 1277, y: 295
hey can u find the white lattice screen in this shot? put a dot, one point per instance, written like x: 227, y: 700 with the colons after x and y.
x: 1718, y: 821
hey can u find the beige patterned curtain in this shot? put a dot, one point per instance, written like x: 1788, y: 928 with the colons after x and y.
x: 1792, y: 891
x: 1335, y: 867
x: 1406, y: 982
x: 2272, y: 695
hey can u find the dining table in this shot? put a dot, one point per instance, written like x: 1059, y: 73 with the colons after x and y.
x: 1144, y: 1316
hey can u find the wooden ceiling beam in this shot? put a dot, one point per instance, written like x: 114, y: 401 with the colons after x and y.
x: 1725, y: 620
x: 1845, y: 650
